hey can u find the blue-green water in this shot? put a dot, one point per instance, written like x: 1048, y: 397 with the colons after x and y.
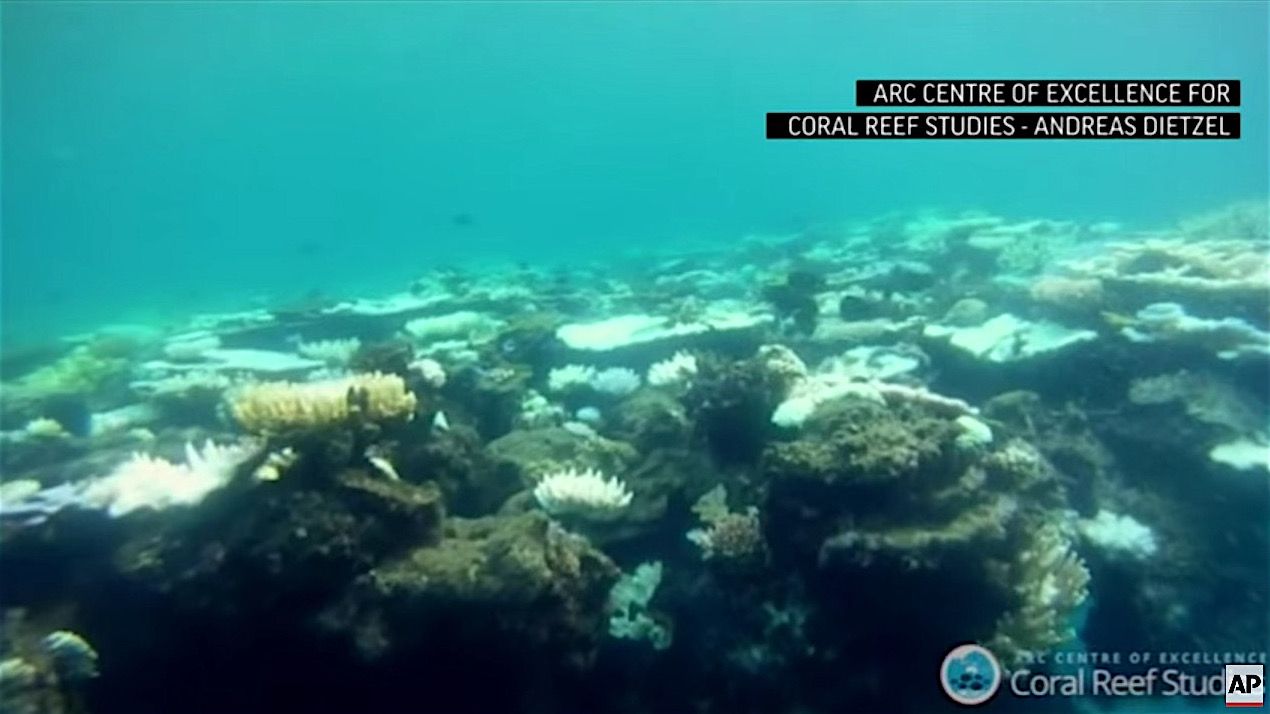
x: 166, y: 157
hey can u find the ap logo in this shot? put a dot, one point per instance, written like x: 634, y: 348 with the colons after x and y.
x: 970, y: 675
x: 1245, y: 685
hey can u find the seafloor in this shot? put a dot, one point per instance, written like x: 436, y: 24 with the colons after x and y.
x: 785, y: 475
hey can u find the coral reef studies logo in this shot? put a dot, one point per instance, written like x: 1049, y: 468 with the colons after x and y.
x: 970, y: 674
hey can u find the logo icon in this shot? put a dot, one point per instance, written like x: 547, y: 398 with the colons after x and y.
x: 1245, y: 685
x: 970, y: 675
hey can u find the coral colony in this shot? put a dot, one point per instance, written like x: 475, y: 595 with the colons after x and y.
x: 501, y: 490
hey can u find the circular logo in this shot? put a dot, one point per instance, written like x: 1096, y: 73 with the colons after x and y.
x: 970, y: 675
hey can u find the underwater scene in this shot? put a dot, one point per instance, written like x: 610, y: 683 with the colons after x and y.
x: 487, y: 357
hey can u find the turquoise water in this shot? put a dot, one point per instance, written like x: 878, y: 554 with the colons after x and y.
x: 161, y: 157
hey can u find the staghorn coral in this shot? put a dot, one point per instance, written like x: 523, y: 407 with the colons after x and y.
x: 279, y: 406
x: 1049, y: 583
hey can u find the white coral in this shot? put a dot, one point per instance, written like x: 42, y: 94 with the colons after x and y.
x: 673, y: 372
x: 573, y: 376
x: 147, y: 481
x: 431, y: 371
x: 618, y: 381
x: 1119, y: 534
x: 1230, y: 337
x: 335, y: 353
x: 587, y: 494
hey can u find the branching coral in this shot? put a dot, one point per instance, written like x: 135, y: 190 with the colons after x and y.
x: 279, y: 406
x: 145, y: 481
x: 1049, y: 583
x: 628, y: 602
x: 587, y: 494
x: 727, y: 536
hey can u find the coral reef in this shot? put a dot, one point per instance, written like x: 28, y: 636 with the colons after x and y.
x: 744, y: 473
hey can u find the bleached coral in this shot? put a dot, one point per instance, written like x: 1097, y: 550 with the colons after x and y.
x: 71, y: 655
x: 145, y: 481
x: 1006, y: 338
x: 1243, y: 454
x: 183, y: 386
x: 877, y: 362
x: 944, y: 405
x: 335, y: 353
x: 587, y: 494
x: 463, y: 325
x: 1177, y: 268
x: 673, y: 372
x: 1066, y: 292
x: 1229, y: 337
x: 782, y: 362
x: 1206, y: 398
x: 974, y: 433
x: 626, y: 330
x: 809, y: 393
x: 572, y: 376
x: 276, y: 406
x: 190, y: 347
x: 537, y: 411
x: 617, y: 381
x: 44, y: 428
x: 121, y: 419
x: 1181, y: 266
x: 1119, y: 534
x: 17, y: 674
x: 430, y: 370
x: 276, y: 463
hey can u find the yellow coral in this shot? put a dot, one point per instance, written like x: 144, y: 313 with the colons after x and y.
x: 277, y: 406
